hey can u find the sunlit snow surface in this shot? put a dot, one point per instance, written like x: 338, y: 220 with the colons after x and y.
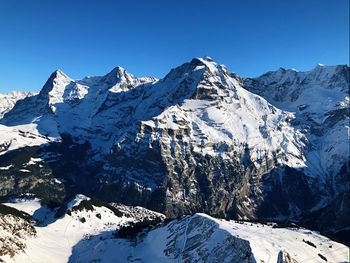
x: 29, y: 205
x: 56, y: 237
x: 314, y: 96
x: 12, y: 138
x: 8, y: 100
x: 68, y: 239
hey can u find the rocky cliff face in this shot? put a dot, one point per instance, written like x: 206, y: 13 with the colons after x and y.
x: 284, y: 257
x: 199, y: 140
x: 15, y: 229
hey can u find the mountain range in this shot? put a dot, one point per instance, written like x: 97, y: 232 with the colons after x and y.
x: 199, y: 140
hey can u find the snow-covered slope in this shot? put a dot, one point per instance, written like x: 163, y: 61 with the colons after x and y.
x: 13, y: 138
x: 88, y: 235
x: 320, y: 99
x: 8, y: 100
x: 57, y: 235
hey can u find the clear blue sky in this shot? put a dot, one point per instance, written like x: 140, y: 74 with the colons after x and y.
x: 150, y: 37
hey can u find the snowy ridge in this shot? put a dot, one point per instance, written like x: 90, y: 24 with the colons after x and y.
x: 320, y: 100
x: 8, y: 100
x: 64, y: 105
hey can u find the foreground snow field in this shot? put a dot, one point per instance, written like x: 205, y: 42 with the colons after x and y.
x: 89, y: 236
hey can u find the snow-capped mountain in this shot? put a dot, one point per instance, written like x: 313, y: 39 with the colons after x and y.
x: 199, y: 140
x: 320, y: 99
x: 8, y: 100
x: 90, y: 231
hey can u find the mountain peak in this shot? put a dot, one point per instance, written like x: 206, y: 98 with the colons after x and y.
x: 203, y: 60
x: 55, y: 83
x: 60, y: 73
x: 57, y: 74
x: 117, y: 70
x: 117, y: 75
x: 207, y: 58
x: 198, y: 66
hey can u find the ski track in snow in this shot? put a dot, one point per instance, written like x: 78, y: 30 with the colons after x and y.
x: 185, y: 239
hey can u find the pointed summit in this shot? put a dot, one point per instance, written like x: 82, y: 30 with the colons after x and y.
x: 204, y: 64
x: 203, y: 60
x: 116, y: 75
x: 117, y: 71
x: 207, y: 58
x: 56, y: 79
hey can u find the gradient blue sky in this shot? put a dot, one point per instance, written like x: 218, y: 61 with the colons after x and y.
x: 148, y: 38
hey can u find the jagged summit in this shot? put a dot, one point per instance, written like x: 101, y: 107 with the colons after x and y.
x: 61, y: 73
x: 197, y: 66
x: 208, y: 58
x: 54, y: 85
x: 118, y: 74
